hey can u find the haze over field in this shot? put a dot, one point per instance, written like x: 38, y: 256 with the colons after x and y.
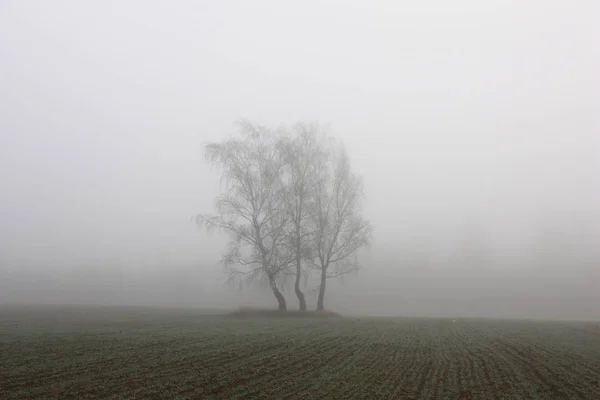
x: 475, y: 126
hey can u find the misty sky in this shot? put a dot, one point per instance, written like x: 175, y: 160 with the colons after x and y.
x: 464, y: 118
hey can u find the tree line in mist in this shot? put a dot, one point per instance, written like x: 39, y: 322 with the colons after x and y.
x: 291, y: 207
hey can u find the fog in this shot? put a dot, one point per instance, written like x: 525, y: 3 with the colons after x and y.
x: 475, y: 126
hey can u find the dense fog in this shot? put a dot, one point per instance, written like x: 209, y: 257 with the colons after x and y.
x: 475, y: 126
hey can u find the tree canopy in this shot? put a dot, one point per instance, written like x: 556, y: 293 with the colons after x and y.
x: 291, y: 206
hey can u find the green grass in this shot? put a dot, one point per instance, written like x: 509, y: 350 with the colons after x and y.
x: 87, y: 353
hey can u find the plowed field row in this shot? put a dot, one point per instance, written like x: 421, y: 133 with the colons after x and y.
x: 220, y: 357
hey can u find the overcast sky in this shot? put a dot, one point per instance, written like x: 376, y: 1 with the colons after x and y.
x: 459, y: 115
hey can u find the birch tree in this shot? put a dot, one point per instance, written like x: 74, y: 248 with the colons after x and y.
x: 304, y: 156
x: 252, y: 211
x: 340, y: 231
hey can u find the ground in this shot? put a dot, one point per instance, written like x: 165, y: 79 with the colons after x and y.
x: 89, y: 353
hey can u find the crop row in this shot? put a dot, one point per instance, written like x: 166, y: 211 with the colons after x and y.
x: 217, y: 357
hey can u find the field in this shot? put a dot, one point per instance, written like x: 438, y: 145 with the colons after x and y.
x: 88, y: 353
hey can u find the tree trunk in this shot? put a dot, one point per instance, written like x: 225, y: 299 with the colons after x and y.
x: 321, y: 300
x: 280, y: 298
x: 299, y: 293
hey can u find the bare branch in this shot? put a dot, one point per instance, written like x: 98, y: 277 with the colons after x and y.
x: 340, y: 230
x: 250, y: 211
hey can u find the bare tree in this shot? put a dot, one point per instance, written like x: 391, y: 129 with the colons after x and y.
x: 339, y: 228
x: 290, y: 199
x: 251, y: 210
x: 304, y: 155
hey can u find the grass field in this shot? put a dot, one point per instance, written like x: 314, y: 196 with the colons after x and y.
x: 88, y: 353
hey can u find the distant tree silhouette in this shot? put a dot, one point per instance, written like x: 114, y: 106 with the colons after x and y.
x: 291, y: 205
x: 252, y: 209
